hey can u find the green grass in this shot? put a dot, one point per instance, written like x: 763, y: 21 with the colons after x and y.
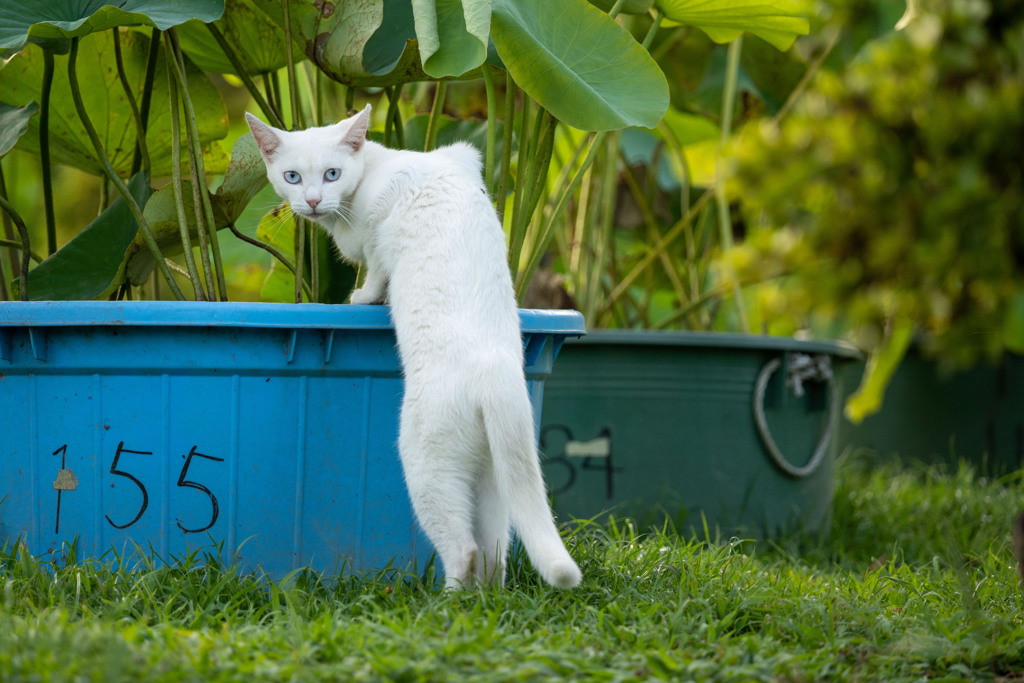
x: 916, y: 581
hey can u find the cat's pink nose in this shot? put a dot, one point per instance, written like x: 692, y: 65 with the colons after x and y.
x: 313, y: 203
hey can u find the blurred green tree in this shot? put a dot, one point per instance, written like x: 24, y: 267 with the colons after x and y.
x: 894, y: 191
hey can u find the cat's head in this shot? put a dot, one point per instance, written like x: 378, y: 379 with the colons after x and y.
x: 315, y: 170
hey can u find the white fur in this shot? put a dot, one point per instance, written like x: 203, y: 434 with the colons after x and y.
x: 428, y: 234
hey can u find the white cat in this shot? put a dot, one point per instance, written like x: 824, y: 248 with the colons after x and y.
x: 433, y: 248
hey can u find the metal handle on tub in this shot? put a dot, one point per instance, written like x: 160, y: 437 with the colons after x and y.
x: 802, y: 368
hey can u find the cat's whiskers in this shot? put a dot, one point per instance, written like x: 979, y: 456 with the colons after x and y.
x: 342, y: 211
x: 279, y: 218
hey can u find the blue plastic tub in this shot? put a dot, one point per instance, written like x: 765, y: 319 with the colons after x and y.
x: 268, y: 429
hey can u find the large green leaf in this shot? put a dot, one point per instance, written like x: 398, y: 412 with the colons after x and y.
x: 452, y: 34
x: 13, y: 123
x: 90, y: 265
x: 245, y: 176
x: 881, y: 365
x: 337, y: 38
x: 22, y: 21
x: 384, y: 50
x: 689, y: 129
x: 579, y: 64
x: 108, y: 107
x: 777, y: 21
x: 257, y: 39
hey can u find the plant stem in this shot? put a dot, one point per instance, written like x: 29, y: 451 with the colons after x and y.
x: 300, y: 257
x: 655, y: 249
x: 578, y: 228
x: 133, y: 206
x: 315, y: 78
x: 506, y: 147
x: 392, y: 105
x: 549, y: 223
x: 101, y: 205
x: 805, y: 81
x: 396, y: 120
x: 201, y: 191
x: 616, y: 8
x: 8, y: 226
x: 393, y: 119
x: 536, y: 180
x: 274, y: 89
x: 313, y: 293
x: 44, y: 151
x: 274, y: 105
x: 684, y: 200
x: 492, y: 134
x: 298, y: 120
x: 646, y: 209
x: 270, y: 112
x: 5, y: 294
x: 522, y: 163
x: 314, y: 259
x: 147, y: 96
x: 435, y: 115
x: 16, y: 244
x: 653, y: 30
x: 140, y: 129
x: 176, y: 183
x: 176, y: 268
x: 691, y: 306
x: 25, y: 247
x: 724, y: 220
x: 537, y: 177
x: 270, y: 250
x: 605, y: 232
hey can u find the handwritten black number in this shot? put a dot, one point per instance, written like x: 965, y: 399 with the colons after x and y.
x: 604, y: 465
x: 561, y: 460
x: 145, y: 495
x: 185, y: 483
x: 63, y: 450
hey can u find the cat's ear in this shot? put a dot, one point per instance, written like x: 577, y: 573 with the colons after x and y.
x: 266, y: 136
x: 356, y: 134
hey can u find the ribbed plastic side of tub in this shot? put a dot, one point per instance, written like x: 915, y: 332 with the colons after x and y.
x: 268, y: 432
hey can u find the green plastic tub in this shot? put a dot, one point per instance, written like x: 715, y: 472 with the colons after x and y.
x: 735, y: 433
x: 936, y: 417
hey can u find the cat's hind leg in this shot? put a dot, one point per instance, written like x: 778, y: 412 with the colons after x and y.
x: 441, y: 490
x: 493, y: 529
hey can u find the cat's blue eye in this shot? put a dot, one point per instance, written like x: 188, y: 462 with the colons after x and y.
x: 292, y: 177
x: 332, y: 174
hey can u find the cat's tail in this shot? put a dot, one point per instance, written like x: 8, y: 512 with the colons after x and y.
x: 508, y: 420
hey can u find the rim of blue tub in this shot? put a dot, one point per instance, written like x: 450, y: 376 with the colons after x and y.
x: 718, y: 340
x: 242, y: 314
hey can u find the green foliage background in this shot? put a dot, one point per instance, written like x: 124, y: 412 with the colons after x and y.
x: 894, y: 191
x: 842, y: 168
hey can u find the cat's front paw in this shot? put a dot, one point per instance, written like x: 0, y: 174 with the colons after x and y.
x: 367, y: 296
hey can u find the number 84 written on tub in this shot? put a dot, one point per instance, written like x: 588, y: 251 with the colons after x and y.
x: 66, y: 481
